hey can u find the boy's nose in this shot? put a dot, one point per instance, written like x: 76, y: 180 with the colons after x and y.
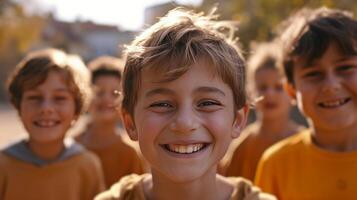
x: 331, y: 83
x: 269, y: 92
x: 46, y: 106
x: 185, y: 121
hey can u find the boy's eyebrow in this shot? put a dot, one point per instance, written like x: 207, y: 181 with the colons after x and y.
x: 346, y: 58
x: 62, y: 90
x: 170, y: 92
x: 313, y: 63
x: 159, y: 91
x: 210, y: 90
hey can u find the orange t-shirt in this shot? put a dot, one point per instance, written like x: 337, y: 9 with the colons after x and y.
x: 78, y: 177
x: 118, y: 159
x: 296, y: 168
x: 245, y: 153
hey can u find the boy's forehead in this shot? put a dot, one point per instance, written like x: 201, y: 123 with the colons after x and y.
x: 38, y: 80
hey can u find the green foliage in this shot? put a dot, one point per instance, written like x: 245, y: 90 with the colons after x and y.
x: 18, y: 32
x: 259, y: 18
x: 17, y: 29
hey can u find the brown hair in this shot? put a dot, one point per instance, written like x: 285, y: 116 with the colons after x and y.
x: 309, y: 33
x: 264, y: 56
x: 106, y: 66
x: 33, y: 71
x: 176, y: 42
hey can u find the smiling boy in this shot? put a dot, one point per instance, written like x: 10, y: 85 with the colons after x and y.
x: 320, y: 63
x: 101, y: 135
x: 184, y: 101
x: 265, y: 81
x: 49, y: 89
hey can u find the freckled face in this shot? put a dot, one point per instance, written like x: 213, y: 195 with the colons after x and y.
x: 185, y: 126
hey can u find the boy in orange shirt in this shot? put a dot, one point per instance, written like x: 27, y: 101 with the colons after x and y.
x: 49, y: 89
x: 320, y: 63
x: 265, y: 83
x: 184, y: 101
x: 102, y: 135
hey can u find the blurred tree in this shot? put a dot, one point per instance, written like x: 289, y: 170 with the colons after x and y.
x: 258, y: 18
x: 18, y: 32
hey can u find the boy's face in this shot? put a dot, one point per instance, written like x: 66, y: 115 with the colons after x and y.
x: 184, y: 126
x: 326, y: 90
x: 104, y: 103
x: 48, y: 110
x: 269, y: 85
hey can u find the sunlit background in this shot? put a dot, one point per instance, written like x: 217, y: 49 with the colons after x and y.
x: 91, y: 28
x: 127, y: 14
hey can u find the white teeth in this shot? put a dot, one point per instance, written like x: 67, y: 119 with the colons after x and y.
x: 184, y: 149
x: 331, y: 104
x: 46, y: 123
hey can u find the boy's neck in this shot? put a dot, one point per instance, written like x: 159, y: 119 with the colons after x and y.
x: 275, y: 127
x: 341, y: 141
x: 47, y: 151
x: 210, y: 187
x: 102, y: 129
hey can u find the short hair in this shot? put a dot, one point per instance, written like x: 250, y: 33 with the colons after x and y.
x: 264, y: 56
x: 106, y: 66
x: 176, y: 42
x: 33, y: 70
x: 308, y: 34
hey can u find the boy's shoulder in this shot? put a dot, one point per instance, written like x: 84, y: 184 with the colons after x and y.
x: 294, y: 144
x: 244, y: 189
x: 19, y: 152
x: 130, y: 187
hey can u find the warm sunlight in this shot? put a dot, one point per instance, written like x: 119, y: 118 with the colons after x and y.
x: 126, y: 14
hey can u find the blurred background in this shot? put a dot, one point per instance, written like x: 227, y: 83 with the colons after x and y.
x: 98, y: 27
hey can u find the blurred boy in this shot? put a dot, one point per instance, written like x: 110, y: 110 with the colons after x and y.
x: 49, y: 89
x: 320, y: 62
x: 184, y: 101
x: 102, y: 135
x: 265, y: 83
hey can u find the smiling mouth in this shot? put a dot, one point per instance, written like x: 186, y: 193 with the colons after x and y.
x: 46, y: 123
x: 185, y: 149
x: 334, y: 103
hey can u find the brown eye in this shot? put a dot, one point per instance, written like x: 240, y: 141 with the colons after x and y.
x: 208, y: 103
x: 262, y: 88
x: 344, y: 68
x: 279, y: 87
x: 312, y: 74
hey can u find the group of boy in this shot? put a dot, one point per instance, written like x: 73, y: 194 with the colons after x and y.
x: 184, y: 101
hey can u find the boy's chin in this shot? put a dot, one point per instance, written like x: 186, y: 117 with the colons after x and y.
x: 184, y: 176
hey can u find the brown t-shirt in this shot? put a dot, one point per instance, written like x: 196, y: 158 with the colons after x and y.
x: 131, y: 187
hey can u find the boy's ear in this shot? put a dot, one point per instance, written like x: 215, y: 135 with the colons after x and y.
x: 290, y: 89
x: 129, y: 125
x: 240, y: 121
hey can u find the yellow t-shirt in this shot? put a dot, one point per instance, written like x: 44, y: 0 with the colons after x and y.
x: 295, y: 168
x: 131, y: 187
x: 78, y: 177
x: 244, y: 153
